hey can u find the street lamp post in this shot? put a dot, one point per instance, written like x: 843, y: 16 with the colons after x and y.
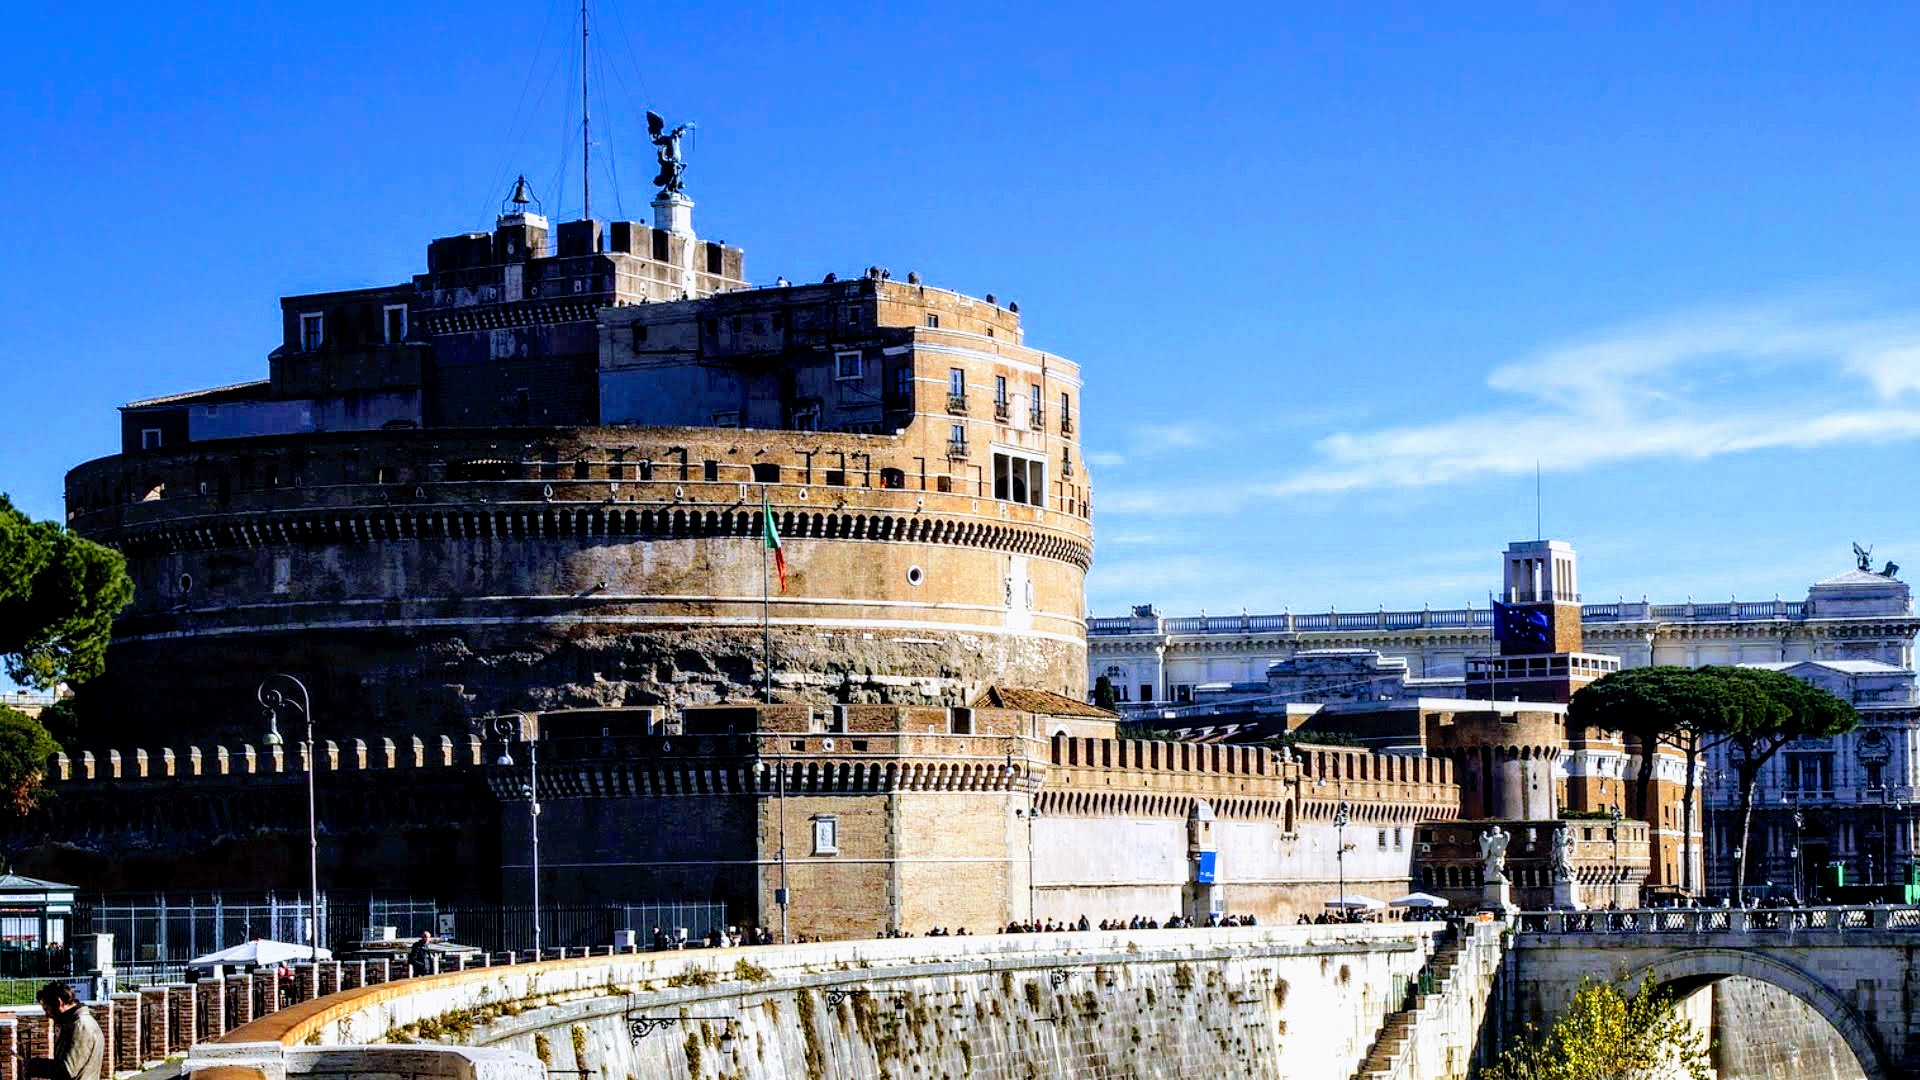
x: 1800, y: 825
x: 1013, y: 771
x: 273, y: 697
x: 780, y: 894
x: 509, y: 729
x: 1340, y: 856
x: 1613, y: 815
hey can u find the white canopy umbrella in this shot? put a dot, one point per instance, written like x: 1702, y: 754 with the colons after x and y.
x: 1354, y: 901
x: 260, y: 952
x: 1419, y: 900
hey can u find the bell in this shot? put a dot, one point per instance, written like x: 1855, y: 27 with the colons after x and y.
x: 521, y: 196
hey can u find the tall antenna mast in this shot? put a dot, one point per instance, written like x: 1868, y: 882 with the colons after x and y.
x: 586, y: 144
x: 1538, y: 532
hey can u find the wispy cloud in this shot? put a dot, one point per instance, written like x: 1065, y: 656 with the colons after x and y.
x: 1713, y: 383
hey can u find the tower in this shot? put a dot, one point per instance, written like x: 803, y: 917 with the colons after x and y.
x: 1541, y: 577
x: 1536, y: 630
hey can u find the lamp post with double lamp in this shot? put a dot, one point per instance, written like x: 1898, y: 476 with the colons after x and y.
x: 274, y: 695
x: 780, y: 894
x: 1340, y: 856
x: 509, y: 730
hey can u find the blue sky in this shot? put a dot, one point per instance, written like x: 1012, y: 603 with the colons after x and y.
x: 1337, y: 280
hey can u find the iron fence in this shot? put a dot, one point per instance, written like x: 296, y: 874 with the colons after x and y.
x: 158, y: 934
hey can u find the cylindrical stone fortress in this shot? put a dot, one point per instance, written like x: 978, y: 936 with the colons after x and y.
x: 438, y: 575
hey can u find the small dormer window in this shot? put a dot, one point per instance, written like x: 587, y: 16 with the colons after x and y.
x: 313, y: 331
x: 933, y: 321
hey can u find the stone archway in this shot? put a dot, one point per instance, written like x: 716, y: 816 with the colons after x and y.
x: 1698, y: 967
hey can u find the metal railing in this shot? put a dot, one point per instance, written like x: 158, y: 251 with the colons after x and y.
x: 957, y: 403
x: 1711, y: 920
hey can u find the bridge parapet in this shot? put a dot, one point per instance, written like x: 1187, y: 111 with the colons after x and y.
x: 1805, y: 920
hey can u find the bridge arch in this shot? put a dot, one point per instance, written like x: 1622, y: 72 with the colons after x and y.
x: 1689, y: 969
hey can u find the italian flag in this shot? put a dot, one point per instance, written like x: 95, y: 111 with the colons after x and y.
x: 773, y: 540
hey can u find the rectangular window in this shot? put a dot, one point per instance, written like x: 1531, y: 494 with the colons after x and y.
x: 1033, y: 405
x: 846, y: 365
x: 826, y: 835
x: 313, y: 331
x: 1066, y: 414
x: 903, y: 383
x: 999, y: 389
x: 933, y: 321
x: 710, y: 470
x: 150, y: 438
x: 396, y: 323
x: 1383, y: 839
x: 957, y: 440
x: 1146, y: 692
x: 957, y: 382
x: 766, y: 473
x: 1019, y: 479
x: 836, y: 478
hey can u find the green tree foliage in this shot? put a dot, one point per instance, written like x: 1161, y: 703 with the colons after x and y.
x: 1682, y: 707
x: 1607, y: 1035
x: 1104, y: 695
x: 1753, y: 710
x: 25, y: 747
x: 59, y: 594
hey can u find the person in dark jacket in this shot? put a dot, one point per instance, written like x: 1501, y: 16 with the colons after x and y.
x: 420, y: 957
x: 78, y: 1044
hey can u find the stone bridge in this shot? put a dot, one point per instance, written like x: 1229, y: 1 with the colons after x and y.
x: 1302, y: 1001
x: 1857, y: 968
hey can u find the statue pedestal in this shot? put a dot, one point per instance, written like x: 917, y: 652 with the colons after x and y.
x: 1498, y: 896
x: 673, y: 213
x: 1566, y: 896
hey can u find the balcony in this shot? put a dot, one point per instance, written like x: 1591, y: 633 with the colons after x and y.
x: 956, y: 448
x: 1039, y: 417
x: 1066, y: 424
x: 957, y: 404
x: 1000, y: 409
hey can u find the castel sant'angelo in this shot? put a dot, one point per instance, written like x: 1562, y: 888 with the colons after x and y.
x: 532, y: 478
x: 529, y: 483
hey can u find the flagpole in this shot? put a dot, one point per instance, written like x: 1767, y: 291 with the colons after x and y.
x: 766, y: 602
x: 1493, y: 642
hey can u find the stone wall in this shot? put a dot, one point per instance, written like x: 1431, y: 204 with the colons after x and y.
x: 1761, y: 1032
x: 1304, y: 1001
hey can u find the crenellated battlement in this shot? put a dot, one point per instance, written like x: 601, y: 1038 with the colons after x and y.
x: 410, y: 752
x: 1377, y: 788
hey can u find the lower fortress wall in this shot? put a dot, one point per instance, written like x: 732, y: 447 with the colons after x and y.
x: 1291, y: 1001
x: 900, y: 819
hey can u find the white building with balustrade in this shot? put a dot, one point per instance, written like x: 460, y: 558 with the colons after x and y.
x: 1857, y: 797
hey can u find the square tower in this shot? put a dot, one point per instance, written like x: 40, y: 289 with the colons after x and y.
x: 1542, y: 576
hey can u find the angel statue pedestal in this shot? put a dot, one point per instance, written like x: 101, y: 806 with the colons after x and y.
x: 1496, y: 892
x: 1566, y: 894
x: 673, y: 213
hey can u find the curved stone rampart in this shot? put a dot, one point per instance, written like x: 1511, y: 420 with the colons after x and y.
x: 439, y: 575
x: 1305, y: 1001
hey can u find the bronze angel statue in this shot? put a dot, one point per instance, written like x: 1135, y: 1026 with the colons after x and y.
x: 673, y: 164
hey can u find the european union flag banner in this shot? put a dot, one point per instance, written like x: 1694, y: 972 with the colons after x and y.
x: 1522, y: 626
